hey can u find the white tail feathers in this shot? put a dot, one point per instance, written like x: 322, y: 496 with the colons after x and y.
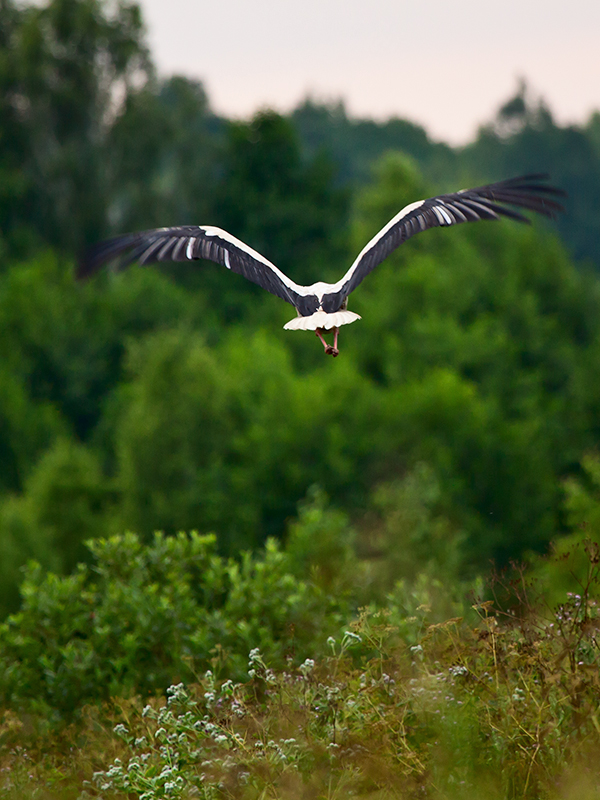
x: 320, y: 319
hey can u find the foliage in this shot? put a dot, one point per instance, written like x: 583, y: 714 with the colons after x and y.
x: 63, y: 66
x: 524, y: 138
x: 243, y: 424
x: 583, y: 498
x: 496, y: 705
x: 464, y: 405
x: 471, y: 329
x: 356, y: 144
x: 476, y: 355
x: 65, y: 342
x: 65, y: 494
x: 165, y: 154
x: 408, y: 530
x: 141, y: 616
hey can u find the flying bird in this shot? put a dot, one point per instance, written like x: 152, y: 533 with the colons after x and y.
x: 323, y: 307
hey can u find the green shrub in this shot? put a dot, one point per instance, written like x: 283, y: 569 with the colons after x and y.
x: 397, y: 702
x: 143, y: 616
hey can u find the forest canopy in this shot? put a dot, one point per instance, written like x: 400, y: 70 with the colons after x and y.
x: 171, y: 400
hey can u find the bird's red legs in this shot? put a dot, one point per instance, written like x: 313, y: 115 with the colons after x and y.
x: 329, y: 350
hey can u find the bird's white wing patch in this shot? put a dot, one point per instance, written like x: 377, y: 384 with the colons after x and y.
x: 219, y: 233
x: 211, y: 230
x: 403, y: 213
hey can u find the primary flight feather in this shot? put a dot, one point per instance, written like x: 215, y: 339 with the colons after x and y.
x: 323, y: 306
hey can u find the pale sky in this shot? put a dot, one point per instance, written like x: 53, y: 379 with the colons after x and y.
x: 446, y: 64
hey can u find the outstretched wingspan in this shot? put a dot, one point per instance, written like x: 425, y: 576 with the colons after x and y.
x: 191, y: 243
x: 467, y: 205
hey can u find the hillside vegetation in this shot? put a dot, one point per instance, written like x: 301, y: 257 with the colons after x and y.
x: 401, y: 699
x: 295, y: 564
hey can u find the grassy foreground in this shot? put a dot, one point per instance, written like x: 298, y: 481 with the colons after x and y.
x: 497, y: 704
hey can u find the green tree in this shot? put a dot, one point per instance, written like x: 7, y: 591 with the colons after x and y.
x: 65, y: 342
x: 228, y: 439
x: 66, y: 499
x: 64, y: 66
x: 280, y: 204
x: 525, y: 138
x: 356, y: 144
x: 147, y: 614
x: 501, y: 316
x: 27, y: 428
x: 165, y: 153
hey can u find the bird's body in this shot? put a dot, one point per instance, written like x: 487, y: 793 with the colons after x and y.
x: 323, y: 306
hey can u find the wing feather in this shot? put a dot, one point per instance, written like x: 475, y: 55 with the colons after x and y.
x: 468, y: 205
x: 191, y: 243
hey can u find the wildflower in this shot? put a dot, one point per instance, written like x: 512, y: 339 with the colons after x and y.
x: 176, y: 694
x: 350, y: 638
x: 237, y: 708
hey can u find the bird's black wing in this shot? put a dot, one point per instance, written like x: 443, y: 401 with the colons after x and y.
x: 191, y: 243
x: 468, y: 205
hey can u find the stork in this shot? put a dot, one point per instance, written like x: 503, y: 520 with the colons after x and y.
x: 323, y: 307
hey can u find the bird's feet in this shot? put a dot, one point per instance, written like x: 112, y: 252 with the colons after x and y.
x: 330, y: 350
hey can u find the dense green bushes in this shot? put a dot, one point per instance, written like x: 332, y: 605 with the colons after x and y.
x: 426, y: 687
x: 145, y: 616
x: 501, y: 703
x: 142, y: 615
